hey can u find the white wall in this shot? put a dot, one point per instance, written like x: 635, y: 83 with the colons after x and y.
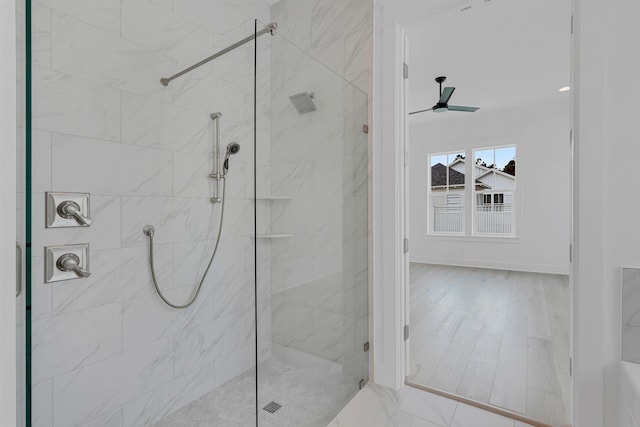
x: 8, y: 215
x: 620, y: 156
x: 540, y: 133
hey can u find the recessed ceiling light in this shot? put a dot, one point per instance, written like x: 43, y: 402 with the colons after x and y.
x: 564, y: 89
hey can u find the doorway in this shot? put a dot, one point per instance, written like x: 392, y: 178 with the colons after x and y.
x: 488, y: 203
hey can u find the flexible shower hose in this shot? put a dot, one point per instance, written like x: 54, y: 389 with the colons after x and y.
x: 148, y: 230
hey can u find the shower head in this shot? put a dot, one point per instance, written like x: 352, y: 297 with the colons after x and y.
x: 303, y: 102
x: 232, y: 148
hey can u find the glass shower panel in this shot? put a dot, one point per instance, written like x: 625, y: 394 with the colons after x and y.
x: 21, y: 223
x: 106, y: 349
x: 312, y: 237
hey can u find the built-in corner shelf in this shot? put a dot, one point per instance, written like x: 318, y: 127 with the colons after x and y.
x: 273, y: 235
x: 274, y: 197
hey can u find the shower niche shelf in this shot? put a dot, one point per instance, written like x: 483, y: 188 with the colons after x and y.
x: 274, y: 198
x: 268, y: 235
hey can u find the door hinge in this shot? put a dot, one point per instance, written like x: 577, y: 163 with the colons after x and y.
x: 406, y: 245
x: 406, y: 332
x: 405, y: 70
x: 571, y: 366
x: 571, y: 24
x: 366, y: 347
x: 570, y: 138
x: 365, y: 128
x: 570, y: 253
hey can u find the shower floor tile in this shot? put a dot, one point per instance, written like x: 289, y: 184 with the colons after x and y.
x: 308, y: 398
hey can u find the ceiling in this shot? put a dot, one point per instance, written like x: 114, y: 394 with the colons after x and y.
x: 496, y: 53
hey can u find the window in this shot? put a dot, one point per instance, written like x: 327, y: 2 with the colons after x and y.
x: 447, y: 193
x: 494, y: 186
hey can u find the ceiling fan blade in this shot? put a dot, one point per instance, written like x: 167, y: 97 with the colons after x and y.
x: 446, y: 95
x: 420, y: 111
x: 458, y: 108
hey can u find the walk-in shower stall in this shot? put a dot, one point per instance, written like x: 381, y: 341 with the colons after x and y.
x: 195, y: 221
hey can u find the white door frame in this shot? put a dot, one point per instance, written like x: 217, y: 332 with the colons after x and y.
x: 8, y: 213
x: 405, y: 203
x: 391, y: 17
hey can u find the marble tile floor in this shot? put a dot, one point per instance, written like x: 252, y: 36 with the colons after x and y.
x: 376, y: 406
x: 311, y: 392
x: 493, y: 336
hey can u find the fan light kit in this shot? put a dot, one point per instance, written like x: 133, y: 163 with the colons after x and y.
x: 443, y: 102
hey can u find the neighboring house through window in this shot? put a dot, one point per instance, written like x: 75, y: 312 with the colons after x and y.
x: 446, y: 193
x: 494, y: 171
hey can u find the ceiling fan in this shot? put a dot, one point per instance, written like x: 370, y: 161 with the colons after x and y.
x: 443, y: 102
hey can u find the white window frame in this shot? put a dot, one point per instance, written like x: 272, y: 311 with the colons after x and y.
x: 430, y: 208
x: 514, y: 195
x: 470, y: 210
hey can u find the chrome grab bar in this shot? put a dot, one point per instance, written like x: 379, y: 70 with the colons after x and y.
x: 271, y: 28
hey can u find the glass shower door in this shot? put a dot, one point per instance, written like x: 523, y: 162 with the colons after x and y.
x: 21, y: 215
x: 133, y: 153
x: 311, y: 210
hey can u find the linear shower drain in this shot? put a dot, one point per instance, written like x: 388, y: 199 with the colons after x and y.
x: 272, y: 407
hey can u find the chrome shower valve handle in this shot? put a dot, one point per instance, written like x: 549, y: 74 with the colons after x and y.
x: 71, y: 209
x: 71, y: 262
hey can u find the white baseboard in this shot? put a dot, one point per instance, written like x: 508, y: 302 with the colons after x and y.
x: 496, y: 265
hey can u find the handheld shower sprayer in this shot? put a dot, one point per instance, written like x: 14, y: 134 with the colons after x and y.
x: 220, y: 178
x: 232, y: 148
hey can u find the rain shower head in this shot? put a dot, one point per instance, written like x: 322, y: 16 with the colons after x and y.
x: 303, y: 102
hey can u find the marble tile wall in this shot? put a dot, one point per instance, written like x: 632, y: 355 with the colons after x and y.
x: 631, y: 315
x: 106, y: 351
x: 319, y: 276
x: 338, y: 33
x: 628, y: 395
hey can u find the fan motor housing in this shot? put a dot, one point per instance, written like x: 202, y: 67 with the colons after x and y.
x: 440, y: 108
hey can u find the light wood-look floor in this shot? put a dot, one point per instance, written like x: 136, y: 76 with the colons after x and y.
x: 497, y: 337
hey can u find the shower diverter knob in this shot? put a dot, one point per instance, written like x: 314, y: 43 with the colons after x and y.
x: 71, y: 262
x: 70, y: 209
x: 67, y: 210
x: 66, y: 262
